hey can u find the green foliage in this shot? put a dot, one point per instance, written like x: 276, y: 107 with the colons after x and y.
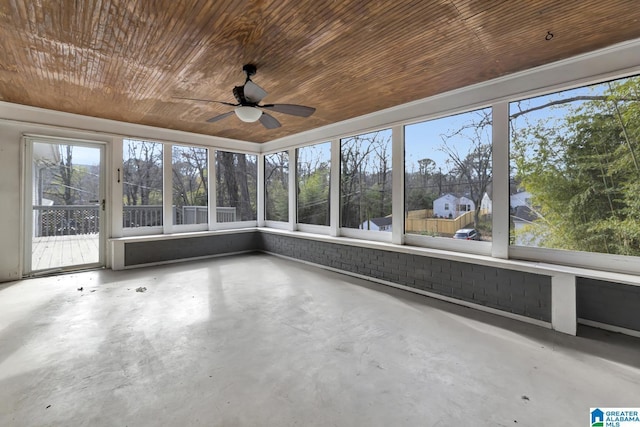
x: 277, y: 186
x: 583, y: 172
x: 313, y: 196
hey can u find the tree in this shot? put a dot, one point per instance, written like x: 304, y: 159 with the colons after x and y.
x: 190, y: 187
x: 236, y: 176
x: 276, y: 172
x: 142, y: 173
x: 313, y: 175
x: 583, y: 171
x: 365, y: 178
x: 471, y: 168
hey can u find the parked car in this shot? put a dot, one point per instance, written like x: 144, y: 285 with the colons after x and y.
x: 467, y: 234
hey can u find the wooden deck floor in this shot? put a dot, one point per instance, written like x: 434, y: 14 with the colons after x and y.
x: 63, y: 251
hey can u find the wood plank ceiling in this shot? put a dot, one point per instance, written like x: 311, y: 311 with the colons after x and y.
x: 127, y: 60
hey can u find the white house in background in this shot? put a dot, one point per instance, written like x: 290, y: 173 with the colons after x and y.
x: 522, y: 198
x: 377, y: 224
x: 486, y: 205
x: 452, y: 206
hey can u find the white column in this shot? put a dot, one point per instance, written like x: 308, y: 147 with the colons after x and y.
x: 116, y: 177
x: 334, y: 196
x: 500, y: 166
x: 167, y: 189
x: 260, y: 207
x: 564, y: 316
x: 293, y: 190
x: 211, y: 196
x: 397, y: 182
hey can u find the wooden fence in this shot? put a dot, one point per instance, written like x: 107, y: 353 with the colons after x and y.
x: 417, y: 222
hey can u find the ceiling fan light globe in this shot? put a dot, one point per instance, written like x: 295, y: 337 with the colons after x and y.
x: 248, y: 114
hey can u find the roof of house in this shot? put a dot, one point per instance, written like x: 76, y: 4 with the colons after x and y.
x: 524, y: 214
x: 381, y: 222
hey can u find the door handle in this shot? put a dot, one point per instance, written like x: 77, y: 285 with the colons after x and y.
x: 104, y: 202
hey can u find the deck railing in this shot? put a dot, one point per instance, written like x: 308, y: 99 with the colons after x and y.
x: 61, y: 220
x: 65, y: 220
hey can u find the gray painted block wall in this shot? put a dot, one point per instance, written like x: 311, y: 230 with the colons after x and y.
x: 147, y: 252
x: 516, y: 292
x: 609, y: 303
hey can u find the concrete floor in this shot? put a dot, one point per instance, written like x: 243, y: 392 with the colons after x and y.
x: 255, y: 340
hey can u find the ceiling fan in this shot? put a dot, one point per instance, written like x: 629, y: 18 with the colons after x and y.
x: 248, y: 108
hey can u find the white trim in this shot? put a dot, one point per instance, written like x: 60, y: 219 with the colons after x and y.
x: 189, y: 228
x: 167, y: 188
x: 82, y: 142
x: 235, y: 225
x: 334, y: 196
x: 292, y: 191
x: 154, y: 237
x: 500, y: 188
x: 279, y: 225
x: 58, y: 120
x: 611, y: 328
x: 116, y: 178
x: 212, y: 195
x: 27, y: 141
x: 397, y: 185
x: 609, y: 264
x: 449, y: 244
x: 260, y: 191
x: 425, y: 293
x: 140, y: 231
x: 26, y: 207
x: 563, y: 303
x: 314, y: 228
x: 374, y: 236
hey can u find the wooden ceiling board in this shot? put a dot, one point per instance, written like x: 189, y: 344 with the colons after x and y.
x: 128, y: 60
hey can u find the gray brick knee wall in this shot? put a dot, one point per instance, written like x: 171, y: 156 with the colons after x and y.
x: 516, y: 292
x: 139, y: 253
x: 609, y: 303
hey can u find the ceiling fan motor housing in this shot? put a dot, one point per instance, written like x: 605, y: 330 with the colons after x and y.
x: 249, y: 69
x: 238, y: 93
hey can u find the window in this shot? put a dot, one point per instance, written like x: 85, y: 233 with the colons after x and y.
x: 236, y: 187
x: 276, y: 184
x: 142, y: 183
x: 448, y: 175
x: 190, y: 185
x: 575, y: 169
x: 365, y: 181
x: 313, y: 177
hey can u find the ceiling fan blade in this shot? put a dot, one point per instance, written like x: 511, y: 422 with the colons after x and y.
x: 253, y: 92
x: 294, y: 110
x: 269, y: 121
x: 206, y: 100
x: 220, y: 117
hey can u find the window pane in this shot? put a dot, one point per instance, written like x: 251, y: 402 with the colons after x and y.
x: 448, y: 176
x: 365, y: 181
x: 236, y: 186
x: 276, y: 184
x: 575, y: 169
x: 142, y: 183
x: 314, y: 177
x: 190, y: 185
